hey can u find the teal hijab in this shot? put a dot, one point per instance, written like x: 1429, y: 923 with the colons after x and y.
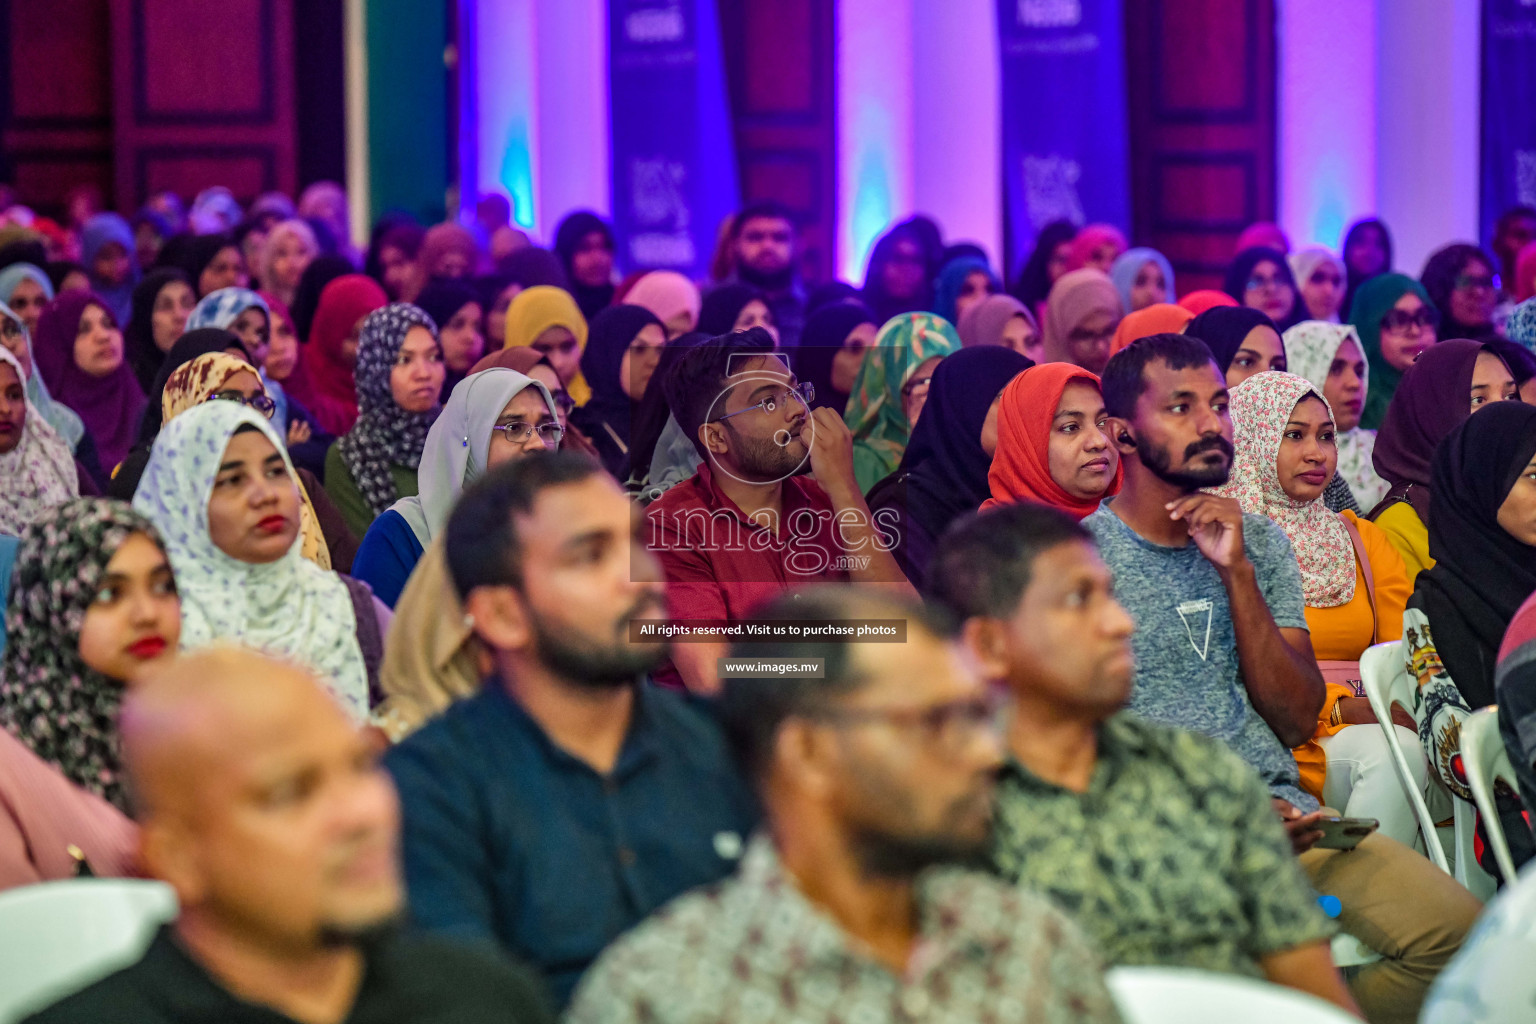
x: 1375, y: 297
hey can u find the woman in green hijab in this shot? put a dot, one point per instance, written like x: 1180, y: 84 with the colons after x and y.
x: 889, y: 392
x: 1396, y: 321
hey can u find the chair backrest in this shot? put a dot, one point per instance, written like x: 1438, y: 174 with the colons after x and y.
x: 58, y: 937
x: 1486, y: 759
x: 1176, y: 995
x: 1384, y: 677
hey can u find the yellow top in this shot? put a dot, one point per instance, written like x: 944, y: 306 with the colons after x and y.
x: 1409, y: 536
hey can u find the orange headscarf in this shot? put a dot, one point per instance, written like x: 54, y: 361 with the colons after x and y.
x: 1204, y: 299
x: 1021, y: 469
x: 1158, y: 318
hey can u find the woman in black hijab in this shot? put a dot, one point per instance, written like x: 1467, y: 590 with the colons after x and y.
x: 899, y: 279
x: 1367, y: 254
x: 144, y: 353
x: 584, y: 244
x: 825, y: 356
x: 1261, y: 279
x: 322, y: 270
x: 943, y: 472
x: 1461, y: 283
x: 618, y: 363
x: 1044, y: 265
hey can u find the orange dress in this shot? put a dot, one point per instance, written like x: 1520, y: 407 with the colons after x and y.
x: 1344, y: 632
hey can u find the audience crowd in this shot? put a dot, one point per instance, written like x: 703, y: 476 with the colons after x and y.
x: 426, y: 615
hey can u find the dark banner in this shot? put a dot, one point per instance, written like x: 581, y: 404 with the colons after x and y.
x: 1509, y: 125
x: 674, y: 161
x: 1066, y: 137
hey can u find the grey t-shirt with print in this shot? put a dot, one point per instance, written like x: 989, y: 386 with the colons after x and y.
x: 1187, y: 672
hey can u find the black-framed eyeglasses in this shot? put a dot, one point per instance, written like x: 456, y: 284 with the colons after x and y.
x: 518, y: 432
x: 805, y: 391
x: 947, y: 726
x: 261, y: 403
x: 1425, y: 318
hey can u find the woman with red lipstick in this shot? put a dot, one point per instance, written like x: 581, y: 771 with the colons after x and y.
x: 93, y: 602
x: 222, y: 490
x: 1052, y: 445
x: 400, y: 375
x: 1352, y: 579
x: 37, y: 471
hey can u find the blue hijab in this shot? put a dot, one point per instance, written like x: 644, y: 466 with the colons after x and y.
x: 946, y: 290
x: 98, y: 232
x: 1129, y: 263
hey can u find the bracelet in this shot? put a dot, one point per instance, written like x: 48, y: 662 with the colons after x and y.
x: 1336, y: 718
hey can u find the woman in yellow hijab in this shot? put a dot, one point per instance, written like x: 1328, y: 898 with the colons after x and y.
x: 548, y: 320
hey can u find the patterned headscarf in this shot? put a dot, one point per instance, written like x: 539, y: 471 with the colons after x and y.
x: 63, y: 710
x: 288, y: 608
x: 384, y: 435
x: 63, y: 419
x: 1261, y: 407
x: 875, y: 412
x: 223, y: 307
x: 1521, y: 327
x: 39, y: 472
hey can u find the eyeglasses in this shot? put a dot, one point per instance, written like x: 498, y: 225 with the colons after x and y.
x: 1257, y: 283
x: 261, y: 403
x: 947, y: 727
x: 518, y: 432
x: 915, y: 385
x: 1400, y: 320
x: 1081, y: 334
x: 804, y: 391
x: 564, y: 402
x: 1464, y: 281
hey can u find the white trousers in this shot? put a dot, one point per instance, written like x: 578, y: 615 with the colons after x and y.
x: 1362, y: 783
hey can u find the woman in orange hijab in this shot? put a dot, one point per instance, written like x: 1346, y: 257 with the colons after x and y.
x: 1158, y: 318
x: 1052, y: 445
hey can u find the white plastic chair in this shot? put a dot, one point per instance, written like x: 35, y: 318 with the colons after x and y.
x: 1486, y: 759
x: 1384, y: 676
x: 58, y: 937
x: 1176, y: 995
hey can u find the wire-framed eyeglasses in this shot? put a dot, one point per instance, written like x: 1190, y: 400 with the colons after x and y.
x: 805, y: 391
x: 261, y: 403
x: 518, y: 432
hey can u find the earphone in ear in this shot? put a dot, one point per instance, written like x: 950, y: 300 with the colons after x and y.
x: 1126, y: 439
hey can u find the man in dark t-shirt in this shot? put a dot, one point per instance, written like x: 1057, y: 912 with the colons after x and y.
x: 264, y: 807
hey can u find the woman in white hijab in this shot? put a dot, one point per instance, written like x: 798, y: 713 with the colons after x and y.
x: 223, y: 493
x: 37, y: 470
x: 1332, y: 358
x: 490, y: 417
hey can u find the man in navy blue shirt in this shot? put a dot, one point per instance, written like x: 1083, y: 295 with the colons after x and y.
x: 570, y: 797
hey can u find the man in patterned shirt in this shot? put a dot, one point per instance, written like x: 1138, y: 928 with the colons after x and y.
x: 1160, y: 842
x: 873, y: 777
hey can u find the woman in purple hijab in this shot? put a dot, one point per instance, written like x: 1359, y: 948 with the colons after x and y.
x: 79, y: 352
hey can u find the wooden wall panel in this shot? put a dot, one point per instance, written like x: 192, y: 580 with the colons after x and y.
x: 779, y: 64
x: 1201, y: 76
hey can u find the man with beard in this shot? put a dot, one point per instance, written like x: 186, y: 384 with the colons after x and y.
x: 764, y: 252
x: 570, y: 797
x: 773, y: 505
x: 853, y: 904
x: 1221, y: 648
x: 264, y: 807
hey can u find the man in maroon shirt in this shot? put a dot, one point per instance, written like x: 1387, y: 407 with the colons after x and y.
x: 775, y: 504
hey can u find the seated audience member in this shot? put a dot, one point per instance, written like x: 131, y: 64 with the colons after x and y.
x: 1448, y: 383
x: 530, y: 363
x: 1096, y: 246
x: 264, y: 808
x: 106, y: 252
x: 660, y: 455
x: 899, y: 276
x: 222, y: 491
x: 290, y: 247
x: 624, y: 347
x: 962, y: 283
x: 1143, y: 277
x: 1243, y: 341
x: 239, y: 311
x: 1001, y: 320
x: 1080, y: 319
x: 1522, y: 366
x: 78, y: 350
x: 392, y: 259
x: 1222, y: 648
x: 1514, y: 685
x: 16, y: 338
x: 849, y: 905
x: 831, y: 352
x: 1319, y: 277
x: 1367, y: 252
x: 1161, y: 843
x: 25, y: 288
x: 162, y: 302
x: 1396, y: 323
x: 447, y: 251
x: 37, y: 471
x: 492, y: 417
x: 1052, y: 442
x: 1260, y: 278
x: 455, y: 307
x: 1263, y: 233
x: 569, y: 798
x: 1158, y: 318
x: 751, y: 522
x: 764, y: 253
x: 1199, y: 301
x: 210, y: 261
x: 399, y: 387
x: 733, y: 307
x: 1047, y: 262
x: 93, y: 604
x: 1331, y: 357
x: 890, y: 389
x: 943, y: 472
x: 188, y: 347
x: 1462, y: 284
x: 547, y: 320
x: 328, y: 386
x: 672, y: 299
x: 1352, y: 581
x: 585, y: 246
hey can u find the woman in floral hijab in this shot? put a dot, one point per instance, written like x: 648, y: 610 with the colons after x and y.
x: 36, y: 471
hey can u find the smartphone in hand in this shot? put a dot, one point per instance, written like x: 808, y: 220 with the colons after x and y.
x: 1344, y: 833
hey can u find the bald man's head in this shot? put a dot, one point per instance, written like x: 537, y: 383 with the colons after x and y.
x: 260, y: 801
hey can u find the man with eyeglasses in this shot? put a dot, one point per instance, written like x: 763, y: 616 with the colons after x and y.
x: 860, y: 899
x: 774, y: 505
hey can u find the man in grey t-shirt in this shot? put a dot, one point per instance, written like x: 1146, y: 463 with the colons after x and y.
x: 1222, y: 648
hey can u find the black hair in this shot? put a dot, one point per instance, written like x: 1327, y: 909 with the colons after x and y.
x: 700, y: 378
x: 984, y: 562
x: 1124, y: 378
x: 751, y: 710
x: 763, y: 209
x: 482, y: 548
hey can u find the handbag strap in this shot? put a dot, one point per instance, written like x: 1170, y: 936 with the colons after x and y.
x: 1365, y: 570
